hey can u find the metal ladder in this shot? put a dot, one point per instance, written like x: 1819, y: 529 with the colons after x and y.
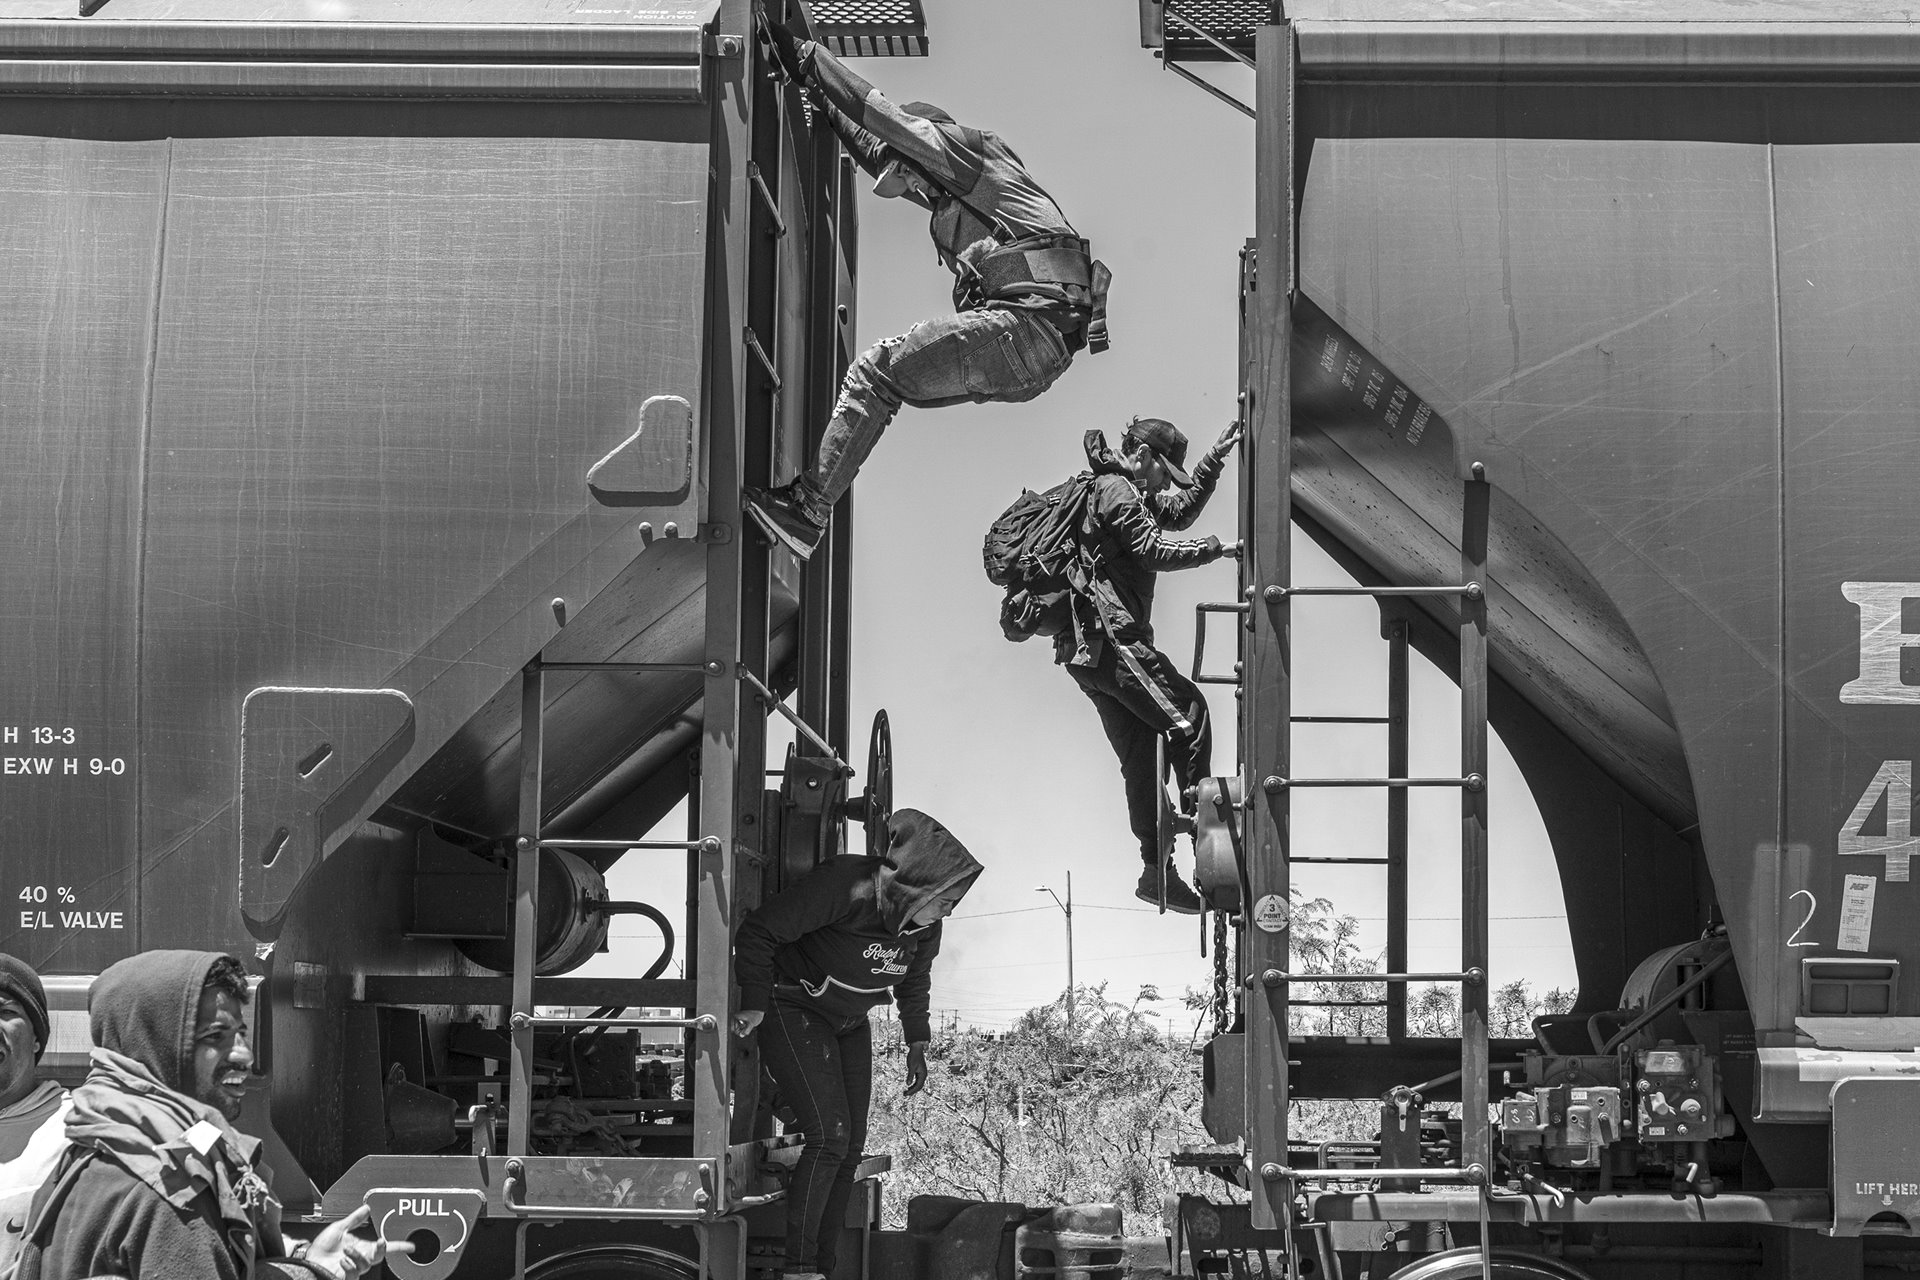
x: 1475, y: 1164
x: 1269, y: 286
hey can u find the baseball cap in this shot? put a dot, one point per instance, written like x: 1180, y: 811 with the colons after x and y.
x: 1165, y: 440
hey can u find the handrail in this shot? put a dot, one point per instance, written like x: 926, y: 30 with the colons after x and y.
x: 805, y: 730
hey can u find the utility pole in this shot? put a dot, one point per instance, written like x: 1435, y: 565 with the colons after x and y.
x: 1066, y: 907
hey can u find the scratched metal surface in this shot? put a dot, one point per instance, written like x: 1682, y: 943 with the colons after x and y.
x: 1688, y: 366
x: 310, y: 405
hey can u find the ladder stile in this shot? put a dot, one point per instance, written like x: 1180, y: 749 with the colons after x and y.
x: 1267, y: 565
x: 526, y: 910
x: 1475, y: 1136
x: 1398, y: 905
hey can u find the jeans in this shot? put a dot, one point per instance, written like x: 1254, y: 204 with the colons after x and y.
x: 1142, y: 697
x: 824, y: 1068
x: 1010, y: 356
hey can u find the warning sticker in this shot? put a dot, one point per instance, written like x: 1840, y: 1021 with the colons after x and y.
x: 1270, y: 914
x: 1856, y: 913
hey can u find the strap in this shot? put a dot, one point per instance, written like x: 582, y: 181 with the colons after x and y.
x: 1061, y: 271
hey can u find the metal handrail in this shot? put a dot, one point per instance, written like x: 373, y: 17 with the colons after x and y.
x: 801, y: 726
x: 703, y: 1022
x: 1471, y: 590
x: 628, y: 844
x: 1200, y: 612
x: 1472, y: 782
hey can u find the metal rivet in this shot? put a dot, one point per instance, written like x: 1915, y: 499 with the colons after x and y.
x: 716, y: 668
x: 1272, y: 782
x: 1272, y: 1172
x: 1474, y: 591
x: 1272, y: 978
x: 1476, y: 783
x: 711, y: 845
x: 1479, y: 470
x: 1275, y: 594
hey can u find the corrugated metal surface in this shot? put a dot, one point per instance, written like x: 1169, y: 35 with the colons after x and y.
x: 305, y: 395
x: 1688, y: 365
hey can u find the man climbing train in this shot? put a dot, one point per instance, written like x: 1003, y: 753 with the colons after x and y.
x: 1106, y: 642
x: 1027, y: 294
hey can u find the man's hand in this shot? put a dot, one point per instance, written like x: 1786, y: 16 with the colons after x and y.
x: 747, y: 1021
x: 1228, y: 439
x: 786, y: 50
x: 1233, y: 548
x: 916, y: 1069
x: 341, y: 1255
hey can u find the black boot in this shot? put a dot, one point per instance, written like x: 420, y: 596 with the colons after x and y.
x: 784, y: 517
x: 1180, y: 898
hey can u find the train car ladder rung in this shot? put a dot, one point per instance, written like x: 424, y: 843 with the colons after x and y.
x: 1472, y: 782
x: 670, y: 668
x: 1471, y: 590
x: 1346, y: 862
x: 625, y: 844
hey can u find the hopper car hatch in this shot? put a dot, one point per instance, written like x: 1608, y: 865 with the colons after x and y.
x: 1572, y: 337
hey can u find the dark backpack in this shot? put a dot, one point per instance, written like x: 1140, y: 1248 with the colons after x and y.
x: 1033, y: 550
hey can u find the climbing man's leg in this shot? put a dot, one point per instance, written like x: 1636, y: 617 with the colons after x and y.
x: 973, y: 356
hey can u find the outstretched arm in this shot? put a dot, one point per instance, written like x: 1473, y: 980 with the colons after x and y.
x: 1128, y: 520
x: 941, y: 153
x: 1178, y: 508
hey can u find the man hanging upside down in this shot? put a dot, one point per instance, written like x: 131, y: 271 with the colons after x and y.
x: 1027, y: 295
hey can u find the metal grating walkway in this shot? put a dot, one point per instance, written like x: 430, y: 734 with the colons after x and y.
x: 871, y: 28
x: 1232, y: 22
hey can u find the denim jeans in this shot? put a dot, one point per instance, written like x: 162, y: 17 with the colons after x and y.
x: 1005, y: 355
x: 1142, y: 697
x: 824, y: 1068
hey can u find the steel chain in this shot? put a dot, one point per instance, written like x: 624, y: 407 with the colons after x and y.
x: 1222, y: 984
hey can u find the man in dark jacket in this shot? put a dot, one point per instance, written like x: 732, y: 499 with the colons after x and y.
x: 1026, y: 296
x: 852, y: 933
x: 161, y: 1186
x: 1140, y: 694
x: 32, y: 1111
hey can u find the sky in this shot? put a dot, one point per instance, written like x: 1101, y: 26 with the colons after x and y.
x: 989, y: 736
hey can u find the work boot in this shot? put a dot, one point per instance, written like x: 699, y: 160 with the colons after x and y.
x: 784, y: 517
x: 1180, y: 899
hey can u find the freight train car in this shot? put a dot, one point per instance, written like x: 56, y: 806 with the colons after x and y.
x: 378, y: 382
x: 1583, y: 335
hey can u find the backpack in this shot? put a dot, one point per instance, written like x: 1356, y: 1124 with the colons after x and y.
x: 1033, y: 550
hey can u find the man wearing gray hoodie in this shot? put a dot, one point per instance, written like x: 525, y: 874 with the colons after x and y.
x: 158, y: 1184
x: 853, y: 933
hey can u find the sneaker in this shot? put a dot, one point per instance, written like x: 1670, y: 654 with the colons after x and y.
x: 1181, y: 899
x: 784, y: 519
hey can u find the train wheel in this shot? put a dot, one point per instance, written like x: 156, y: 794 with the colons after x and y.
x: 1464, y: 1264
x: 615, y: 1262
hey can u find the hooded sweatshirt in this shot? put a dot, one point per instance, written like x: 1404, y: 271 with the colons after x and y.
x: 171, y: 1191
x: 840, y: 939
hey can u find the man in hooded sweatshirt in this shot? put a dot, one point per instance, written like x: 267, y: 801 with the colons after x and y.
x: 32, y: 1111
x: 1141, y: 696
x: 1027, y: 294
x: 160, y: 1186
x: 852, y: 933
